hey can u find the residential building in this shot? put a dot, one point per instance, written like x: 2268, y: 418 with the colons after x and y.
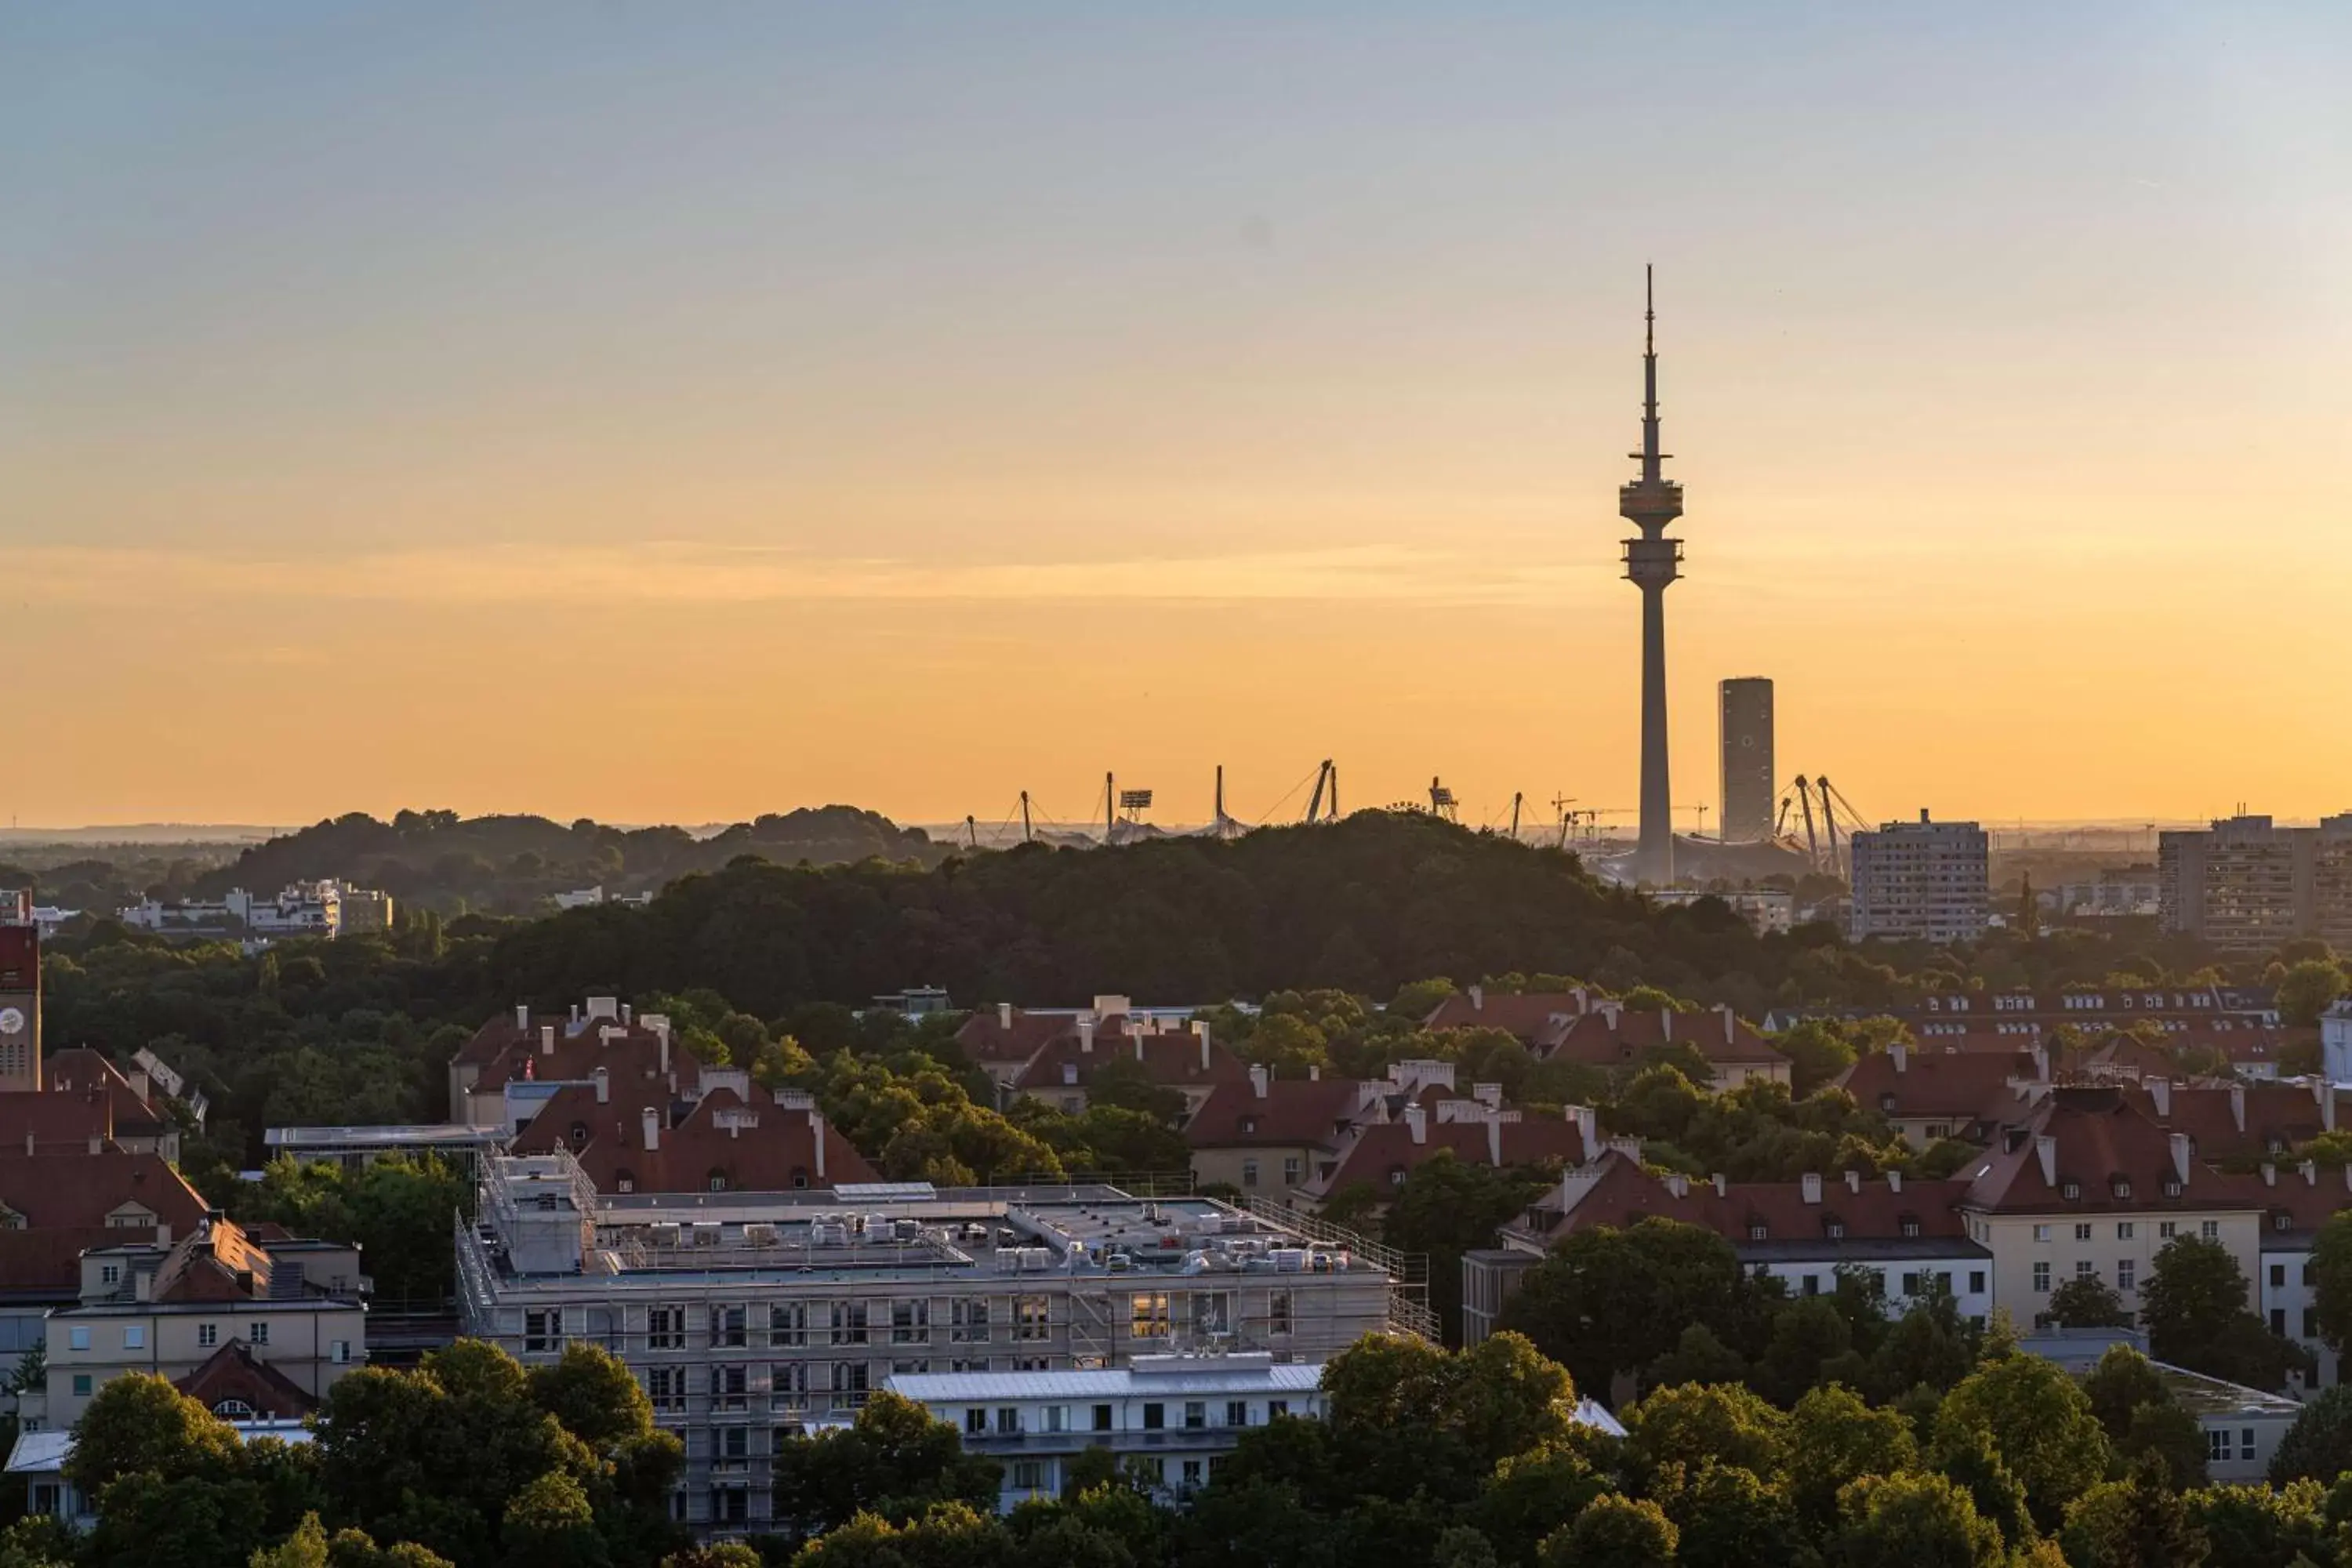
x: 1598, y: 1031
x: 2296, y: 1201
x: 20, y: 1007
x: 2242, y: 1426
x: 1923, y: 880
x: 40, y: 1455
x: 298, y: 1306
x: 1170, y: 1418
x: 1929, y: 1096
x: 723, y: 1141
x: 2246, y: 885
x: 2112, y: 890
x: 363, y: 911
x: 2004, y: 1020
x: 255, y: 921
x: 1377, y: 1155
x: 2335, y: 1042
x: 915, y: 1001
x: 62, y: 1201
x: 1188, y: 1062
x: 121, y: 1109
x: 515, y: 1064
x: 743, y: 1313
x: 1273, y: 1137
x: 1766, y: 909
x: 1750, y: 787
x: 1908, y: 1233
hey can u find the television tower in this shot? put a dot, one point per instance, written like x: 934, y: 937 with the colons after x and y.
x: 1651, y: 561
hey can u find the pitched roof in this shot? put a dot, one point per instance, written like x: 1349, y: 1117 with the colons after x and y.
x: 1616, y: 1191
x: 986, y: 1038
x: 756, y: 1147
x: 47, y: 1263
x: 1524, y: 1014
x: 2092, y: 1138
x: 1170, y: 1060
x: 1911, y: 1083
x: 234, y: 1372
x: 49, y: 1122
x: 631, y: 1053
x: 1611, y: 1035
x: 1292, y: 1112
x: 2237, y: 1120
x: 80, y: 1191
x: 78, y: 1068
x: 1382, y: 1151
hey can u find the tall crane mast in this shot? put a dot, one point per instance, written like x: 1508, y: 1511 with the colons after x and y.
x: 1828, y: 818
x: 1805, y: 799
x: 1026, y: 836
x: 1516, y: 796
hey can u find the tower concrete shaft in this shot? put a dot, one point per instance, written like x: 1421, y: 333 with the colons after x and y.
x: 1652, y: 563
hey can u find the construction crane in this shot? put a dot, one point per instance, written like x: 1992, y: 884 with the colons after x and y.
x: 1516, y: 796
x: 972, y: 831
x: 1805, y: 788
x: 1442, y: 801
x: 1220, y: 825
x: 1326, y: 775
x: 1026, y: 836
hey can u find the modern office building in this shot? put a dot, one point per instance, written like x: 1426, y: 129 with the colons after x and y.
x: 1746, y: 710
x: 1924, y: 881
x: 2246, y: 885
x: 745, y: 1312
x: 20, y: 1007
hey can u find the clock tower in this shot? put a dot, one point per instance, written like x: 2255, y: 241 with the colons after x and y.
x: 20, y: 1007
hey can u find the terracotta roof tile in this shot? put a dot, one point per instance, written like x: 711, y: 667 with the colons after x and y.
x: 757, y: 1147
x: 1965, y: 1089
x: 78, y: 1190
x: 1293, y: 1112
x: 1382, y: 1151
x: 1169, y: 1060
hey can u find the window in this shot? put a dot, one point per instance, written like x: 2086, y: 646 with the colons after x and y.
x: 1236, y: 1412
x: 2211, y: 1229
x: 2041, y: 1233
x: 339, y: 1352
x: 1196, y: 1415
x: 732, y: 1444
x: 910, y: 1322
x: 1155, y: 1417
x: 2310, y: 1324
x: 787, y: 1324
x: 666, y: 1329
x: 234, y: 1410
x: 1190, y: 1473
x: 2171, y: 1186
x: 729, y: 1328
x: 1277, y: 1312
x: 1008, y: 1421
x: 81, y: 1383
x: 1147, y: 1316
x: 1058, y: 1418
x: 541, y: 1332
x: 258, y: 1333
x: 1909, y: 1227
x: 2042, y: 1276
x: 2086, y: 1269
x: 2082, y: 1233
x: 1755, y: 1230
x: 1813, y: 1284
x: 2070, y: 1191
x: 968, y: 1320
x: 1028, y: 1476
x: 1030, y: 1320
x: 1292, y: 1170
x: 1102, y: 1418
x: 78, y: 1339
x: 666, y: 1388
x: 2306, y: 1274
x: 849, y: 1322
x: 2278, y: 1321
x: 1213, y: 1313
x: 626, y: 1180
x: 1911, y: 1284
x: 1835, y: 1229
x: 1275, y: 1409
x: 2126, y: 1273
x: 1249, y: 1173
x: 2166, y: 1230
x: 2217, y: 1443
x: 975, y: 1421
x: 729, y: 1505
x: 849, y: 1384
x: 109, y: 1273
x: 2278, y: 1276
x: 717, y: 1181
x: 1976, y: 1281
x: 2245, y: 1443
x: 729, y: 1386
x: 207, y: 1334
x: 2124, y: 1231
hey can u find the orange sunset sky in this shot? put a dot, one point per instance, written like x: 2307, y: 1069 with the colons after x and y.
x: 678, y: 415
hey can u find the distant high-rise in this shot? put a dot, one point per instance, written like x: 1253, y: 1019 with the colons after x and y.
x: 1652, y: 563
x: 1746, y: 717
x: 1921, y: 879
x: 20, y: 1007
x: 2247, y: 885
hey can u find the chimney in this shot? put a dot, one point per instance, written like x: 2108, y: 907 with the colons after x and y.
x: 1004, y: 1014
x: 653, y: 1127
x: 2324, y: 1091
x: 1588, y: 1127
x: 1666, y: 1022
x: 2309, y: 1172
x: 1416, y: 1123
x: 2238, y: 1105
x: 522, y: 1016
x: 1853, y: 1182
x: 2045, y: 1150
x: 2040, y: 1060
x: 1731, y: 1024
x: 573, y: 1017
x: 1477, y: 998
x: 662, y: 1036
x: 2159, y: 1090
x: 1894, y: 1180
x: 1900, y: 1054
x: 547, y: 1040
x: 1200, y: 1027
x: 1493, y: 1139
x: 2180, y: 1142
x: 816, y: 1136
x: 628, y: 1012
x: 2269, y: 1174
x: 1722, y: 1185
x: 1583, y: 1000
x: 1315, y: 1072
x: 1086, y: 1034
x: 1677, y: 1183
x: 1259, y: 1077
x: 734, y: 1126
x: 603, y: 1077
x: 1811, y: 1184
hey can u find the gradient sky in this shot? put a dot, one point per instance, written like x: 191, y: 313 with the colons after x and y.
x: 676, y: 413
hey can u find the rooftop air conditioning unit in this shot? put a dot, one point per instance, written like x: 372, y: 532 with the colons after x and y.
x: 666, y: 1234
x: 758, y: 1233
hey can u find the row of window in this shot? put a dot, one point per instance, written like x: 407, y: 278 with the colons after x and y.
x: 1009, y: 1420
x: 257, y: 1332
x: 2126, y: 1230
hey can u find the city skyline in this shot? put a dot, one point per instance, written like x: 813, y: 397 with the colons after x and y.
x: 904, y: 410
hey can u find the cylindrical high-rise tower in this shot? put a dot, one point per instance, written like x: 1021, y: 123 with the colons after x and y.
x: 1651, y: 561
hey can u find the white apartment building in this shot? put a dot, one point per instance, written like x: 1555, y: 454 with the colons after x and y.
x: 298, y: 910
x: 747, y: 1312
x: 1924, y: 881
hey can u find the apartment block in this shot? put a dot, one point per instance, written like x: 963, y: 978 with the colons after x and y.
x: 1923, y: 880
x: 1598, y: 1031
x: 2246, y: 885
x: 743, y: 1313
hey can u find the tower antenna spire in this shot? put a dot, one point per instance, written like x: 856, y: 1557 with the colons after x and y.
x: 1650, y: 455
x: 1652, y: 562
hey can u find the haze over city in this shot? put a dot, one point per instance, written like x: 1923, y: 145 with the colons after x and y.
x: 588, y: 415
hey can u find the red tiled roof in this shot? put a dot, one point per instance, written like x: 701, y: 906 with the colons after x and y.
x: 79, y: 1068
x: 765, y: 1155
x: 1962, y: 1088
x: 1867, y: 1207
x: 984, y: 1039
x: 48, y: 1262
x: 1293, y: 1113
x: 67, y: 1192
x: 1595, y: 1039
x: 631, y: 1055
x: 1169, y: 1060
x: 234, y: 1372
x: 48, y: 1121
x: 2100, y: 1138
x: 1383, y: 1149
x: 1525, y: 1014
x: 2231, y: 1121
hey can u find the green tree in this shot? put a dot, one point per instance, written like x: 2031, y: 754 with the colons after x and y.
x: 1726, y: 1517
x: 892, y: 1463
x: 1913, y: 1522
x: 2260, y: 1526
x: 1835, y: 1440
x: 550, y: 1523
x: 2318, y: 1446
x: 2331, y: 1273
x: 2085, y: 1301
x: 1607, y: 1301
x: 2039, y: 1423
x: 2194, y: 1305
x: 1448, y: 1206
x: 2309, y: 988
x: 1614, y: 1533
x: 2134, y: 1523
x: 1693, y: 1424
x: 2123, y: 1382
x: 139, y: 1421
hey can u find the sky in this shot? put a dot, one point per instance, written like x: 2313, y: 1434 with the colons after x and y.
x: 668, y: 414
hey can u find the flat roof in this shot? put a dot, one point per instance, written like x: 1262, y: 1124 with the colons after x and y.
x: 2203, y: 1396
x: 429, y: 1135
x: 1197, y: 1374
x: 45, y: 1453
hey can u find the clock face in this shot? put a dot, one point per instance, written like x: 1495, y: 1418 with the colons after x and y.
x: 12, y: 1022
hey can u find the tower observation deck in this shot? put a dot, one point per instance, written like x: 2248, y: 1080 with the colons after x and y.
x: 1652, y: 562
